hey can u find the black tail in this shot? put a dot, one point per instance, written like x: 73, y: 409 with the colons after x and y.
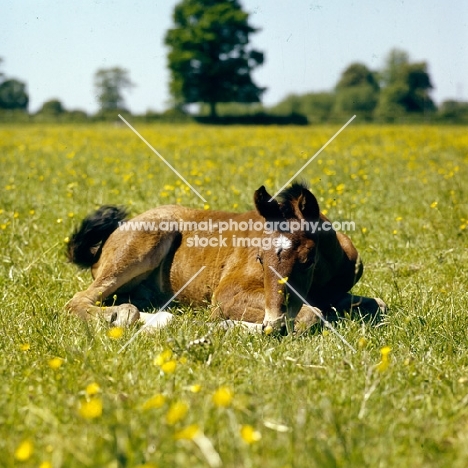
x: 85, y: 245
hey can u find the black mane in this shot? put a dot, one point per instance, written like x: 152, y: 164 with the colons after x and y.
x: 287, y: 196
x: 293, y: 192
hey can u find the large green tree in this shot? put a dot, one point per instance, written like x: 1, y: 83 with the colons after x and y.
x: 209, y: 58
x: 110, y: 83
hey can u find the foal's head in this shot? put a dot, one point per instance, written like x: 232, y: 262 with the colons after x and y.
x: 290, y: 260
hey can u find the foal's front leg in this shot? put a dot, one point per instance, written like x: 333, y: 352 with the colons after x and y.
x: 239, y: 301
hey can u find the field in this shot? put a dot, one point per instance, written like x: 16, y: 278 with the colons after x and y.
x: 70, y: 398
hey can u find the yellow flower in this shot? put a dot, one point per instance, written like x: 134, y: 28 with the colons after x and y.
x: 93, y: 389
x: 268, y: 330
x: 188, y: 433
x: 222, y: 397
x: 249, y: 434
x: 364, y: 230
x: 434, y: 204
x: 385, y: 351
x: 157, y: 401
x: 115, y: 333
x: 25, y: 347
x: 206, y: 206
x: 45, y: 464
x: 382, y: 366
x: 177, y: 411
x: 55, y: 363
x: 283, y: 280
x: 163, y: 357
x: 195, y: 388
x: 24, y: 450
x: 169, y: 367
x: 91, y: 409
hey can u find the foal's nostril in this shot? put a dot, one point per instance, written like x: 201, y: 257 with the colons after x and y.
x: 113, y: 317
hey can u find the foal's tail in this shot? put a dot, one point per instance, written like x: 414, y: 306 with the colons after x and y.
x: 85, y: 244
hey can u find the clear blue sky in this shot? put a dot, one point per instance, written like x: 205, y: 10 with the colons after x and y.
x: 55, y: 46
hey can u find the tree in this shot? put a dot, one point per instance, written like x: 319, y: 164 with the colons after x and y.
x: 419, y: 84
x: 316, y: 106
x: 357, y: 91
x: 13, y: 95
x: 109, y: 84
x: 357, y: 74
x: 454, y: 111
x: 394, y: 63
x: 208, y: 58
x: 406, y: 87
x: 53, y: 107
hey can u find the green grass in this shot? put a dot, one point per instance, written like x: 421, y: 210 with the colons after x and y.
x: 312, y: 400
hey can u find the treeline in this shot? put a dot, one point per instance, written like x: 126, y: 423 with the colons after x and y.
x: 399, y: 93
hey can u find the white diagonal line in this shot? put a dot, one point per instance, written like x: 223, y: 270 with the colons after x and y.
x: 313, y: 157
x: 147, y: 324
x: 325, y: 322
x: 168, y: 164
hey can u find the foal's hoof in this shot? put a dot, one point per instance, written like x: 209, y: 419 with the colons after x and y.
x: 307, y: 317
x: 381, y: 304
x: 275, y: 326
x: 124, y: 315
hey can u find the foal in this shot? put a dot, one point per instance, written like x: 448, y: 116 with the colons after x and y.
x: 241, y: 263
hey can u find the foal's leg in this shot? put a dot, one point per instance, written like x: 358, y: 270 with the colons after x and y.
x: 136, y: 260
x: 307, y: 317
x: 240, y: 301
x: 369, y: 308
x: 336, y: 306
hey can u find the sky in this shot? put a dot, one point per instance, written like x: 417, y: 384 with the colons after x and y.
x: 56, y: 46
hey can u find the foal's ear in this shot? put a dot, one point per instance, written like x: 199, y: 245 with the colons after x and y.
x: 270, y: 210
x: 308, y: 205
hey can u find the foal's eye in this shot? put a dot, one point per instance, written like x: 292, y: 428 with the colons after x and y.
x: 259, y: 259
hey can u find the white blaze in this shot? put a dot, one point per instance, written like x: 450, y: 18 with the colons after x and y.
x: 282, y: 243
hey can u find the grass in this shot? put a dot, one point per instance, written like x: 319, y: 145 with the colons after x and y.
x: 69, y: 398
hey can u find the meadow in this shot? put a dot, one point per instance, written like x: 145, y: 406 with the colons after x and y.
x: 69, y: 397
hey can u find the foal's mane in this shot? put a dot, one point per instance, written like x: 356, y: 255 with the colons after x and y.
x: 288, y: 197
x: 293, y: 192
